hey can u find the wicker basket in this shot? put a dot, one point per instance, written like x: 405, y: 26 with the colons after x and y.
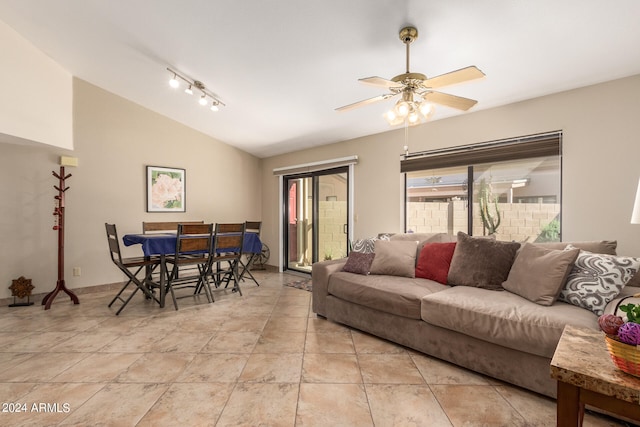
x: 626, y: 357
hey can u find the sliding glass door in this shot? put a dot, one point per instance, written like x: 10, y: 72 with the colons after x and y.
x: 316, y: 218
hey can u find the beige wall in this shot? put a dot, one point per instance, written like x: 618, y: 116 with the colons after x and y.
x: 600, y: 161
x: 114, y: 140
x: 36, y: 100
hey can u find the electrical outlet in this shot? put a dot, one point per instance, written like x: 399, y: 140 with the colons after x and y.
x: 77, y: 271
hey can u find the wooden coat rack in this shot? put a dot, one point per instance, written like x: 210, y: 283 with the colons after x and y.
x: 59, y: 213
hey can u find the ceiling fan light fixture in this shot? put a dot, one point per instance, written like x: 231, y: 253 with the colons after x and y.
x: 426, y: 109
x: 413, y: 118
x: 413, y: 106
x: 392, y: 118
x: 402, y: 108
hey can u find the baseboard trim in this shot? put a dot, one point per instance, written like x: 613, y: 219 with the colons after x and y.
x: 37, y: 298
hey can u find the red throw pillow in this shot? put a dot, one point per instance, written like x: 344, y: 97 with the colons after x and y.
x: 434, y: 261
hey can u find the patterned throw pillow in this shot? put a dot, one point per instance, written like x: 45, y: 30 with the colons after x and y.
x: 359, y: 263
x: 596, y: 279
x: 365, y: 246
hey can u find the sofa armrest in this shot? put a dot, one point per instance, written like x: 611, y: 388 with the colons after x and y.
x: 320, y: 273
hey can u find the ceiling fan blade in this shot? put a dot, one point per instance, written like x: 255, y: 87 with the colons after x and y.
x: 458, y: 76
x: 379, y: 81
x: 448, y: 100
x: 365, y: 102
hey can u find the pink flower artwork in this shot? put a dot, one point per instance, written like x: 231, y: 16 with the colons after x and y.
x: 166, y: 190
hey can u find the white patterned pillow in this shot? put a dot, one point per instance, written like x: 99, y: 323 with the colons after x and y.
x: 596, y: 279
x: 365, y: 246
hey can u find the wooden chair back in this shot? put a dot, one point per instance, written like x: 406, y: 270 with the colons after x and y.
x: 230, y: 228
x: 230, y: 243
x: 164, y: 226
x: 114, y: 245
x: 194, y: 237
x: 253, y: 227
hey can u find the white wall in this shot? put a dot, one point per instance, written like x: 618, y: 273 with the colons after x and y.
x: 600, y: 161
x: 36, y: 102
x: 114, y: 140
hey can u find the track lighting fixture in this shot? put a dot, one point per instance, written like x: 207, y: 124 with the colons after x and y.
x: 174, y: 81
x: 191, y: 84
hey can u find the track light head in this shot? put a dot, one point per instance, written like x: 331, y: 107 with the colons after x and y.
x: 174, y: 83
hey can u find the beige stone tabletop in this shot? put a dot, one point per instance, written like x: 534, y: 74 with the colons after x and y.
x: 582, y: 359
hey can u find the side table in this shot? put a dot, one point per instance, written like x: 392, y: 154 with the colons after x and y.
x: 587, y: 376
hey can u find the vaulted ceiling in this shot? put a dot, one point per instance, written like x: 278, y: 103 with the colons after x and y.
x: 283, y: 66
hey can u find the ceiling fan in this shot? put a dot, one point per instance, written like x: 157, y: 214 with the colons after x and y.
x: 417, y: 91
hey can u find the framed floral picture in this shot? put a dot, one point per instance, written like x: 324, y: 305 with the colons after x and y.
x: 166, y: 189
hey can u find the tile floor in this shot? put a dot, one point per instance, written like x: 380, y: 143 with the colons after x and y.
x: 260, y: 359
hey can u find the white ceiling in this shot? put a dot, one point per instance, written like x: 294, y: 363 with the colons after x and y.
x: 283, y: 66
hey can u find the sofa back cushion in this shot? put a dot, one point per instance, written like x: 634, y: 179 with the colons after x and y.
x: 424, y: 238
x: 596, y: 246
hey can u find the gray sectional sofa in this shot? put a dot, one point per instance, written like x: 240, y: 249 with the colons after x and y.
x: 496, y: 333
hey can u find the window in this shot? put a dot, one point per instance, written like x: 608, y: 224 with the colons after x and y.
x: 510, y: 189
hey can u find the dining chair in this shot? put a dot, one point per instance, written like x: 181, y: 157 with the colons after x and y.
x: 164, y: 226
x: 227, y: 251
x: 131, y: 267
x: 191, y: 261
x: 250, y: 227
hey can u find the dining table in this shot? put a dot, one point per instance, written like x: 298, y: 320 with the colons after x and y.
x: 161, y: 244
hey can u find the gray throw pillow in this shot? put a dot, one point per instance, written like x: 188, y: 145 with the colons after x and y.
x: 538, y: 274
x: 395, y: 258
x: 596, y: 279
x: 481, y: 262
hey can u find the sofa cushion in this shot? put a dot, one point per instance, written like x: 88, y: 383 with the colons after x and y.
x: 538, y: 274
x: 596, y: 246
x: 481, y: 262
x: 596, y: 279
x: 434, y: 261
x: 504, y: 318
x: 395, y: 258
x: 359, y: 263
x: 395, y: 295
x: 424, y: 238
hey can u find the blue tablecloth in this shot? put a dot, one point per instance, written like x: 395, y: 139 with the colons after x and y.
x: 165, y: 243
